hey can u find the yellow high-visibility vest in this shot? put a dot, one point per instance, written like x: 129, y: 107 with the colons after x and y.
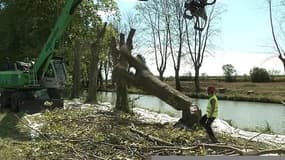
x: 209, y: 107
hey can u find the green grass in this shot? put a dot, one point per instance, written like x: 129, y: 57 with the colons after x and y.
x: 262, y: 92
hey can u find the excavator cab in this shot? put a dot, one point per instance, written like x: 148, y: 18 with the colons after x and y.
x: 55, y: 75
x: 196, y: 9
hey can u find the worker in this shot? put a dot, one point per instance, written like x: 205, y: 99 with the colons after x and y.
x: 212, y: 113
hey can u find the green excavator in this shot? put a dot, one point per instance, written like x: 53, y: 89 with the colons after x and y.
x: 32, y: 86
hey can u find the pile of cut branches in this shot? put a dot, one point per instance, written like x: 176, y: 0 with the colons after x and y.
x: 98, y: 134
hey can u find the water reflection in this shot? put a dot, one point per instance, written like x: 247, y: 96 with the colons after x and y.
x: 244, y: 115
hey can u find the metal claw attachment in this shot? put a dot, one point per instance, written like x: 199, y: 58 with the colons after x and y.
x: 196, y: 8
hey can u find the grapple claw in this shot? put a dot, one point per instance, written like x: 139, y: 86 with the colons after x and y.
x: 196, y: 8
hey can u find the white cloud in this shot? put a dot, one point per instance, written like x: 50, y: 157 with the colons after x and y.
x: 242, y: 62
x: 212, y: 65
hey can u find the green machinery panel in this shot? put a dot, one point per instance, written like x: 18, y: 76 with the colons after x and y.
x: 14, y: 79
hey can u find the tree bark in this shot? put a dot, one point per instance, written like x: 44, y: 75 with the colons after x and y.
x: 161, y: 75
x: 100, y: 76
x: 122, y: 88
x: 75, y: 93
x: 282, y: 60
x: 197, y: 79
x: 93, y: 68
x: 106, y: 71
x: 121, y: 62
x: 93, y: 75
x: 177, y: 80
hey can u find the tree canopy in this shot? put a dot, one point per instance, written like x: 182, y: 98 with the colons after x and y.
x: 25, y: 25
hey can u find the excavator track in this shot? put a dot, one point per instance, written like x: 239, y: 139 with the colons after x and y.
x: 31, y: 101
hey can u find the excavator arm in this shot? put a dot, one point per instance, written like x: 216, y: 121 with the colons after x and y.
x: 48, y: 50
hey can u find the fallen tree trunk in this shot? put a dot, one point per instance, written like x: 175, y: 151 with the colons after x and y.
x: 146, y: 81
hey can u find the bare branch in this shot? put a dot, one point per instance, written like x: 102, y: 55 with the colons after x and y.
x: 272, y: 28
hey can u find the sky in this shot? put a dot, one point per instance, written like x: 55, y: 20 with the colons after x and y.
x: 245, y: 40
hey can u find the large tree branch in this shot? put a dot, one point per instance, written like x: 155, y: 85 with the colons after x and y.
x: 272, y: 29
x: 130, y: 39
x: 145, y: 80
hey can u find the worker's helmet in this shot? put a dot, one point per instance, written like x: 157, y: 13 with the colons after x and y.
x: 211, y: 89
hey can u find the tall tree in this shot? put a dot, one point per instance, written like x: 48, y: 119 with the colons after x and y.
x: 198, y: 40
x: 76, y: 83
x: 78, y: 39
x: 176, y: 28
x: 278, y: 46
x: 229, y: 72
x: 106, y: 58
x: 94, y: 65
x: 152, y: 13
x: 120, y: 63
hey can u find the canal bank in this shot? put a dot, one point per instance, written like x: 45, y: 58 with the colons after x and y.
x: 270, y: 92
x: 251, y: 116
x: 219, y: 126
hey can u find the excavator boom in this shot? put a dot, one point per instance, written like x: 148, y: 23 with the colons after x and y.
x: 47, y: 51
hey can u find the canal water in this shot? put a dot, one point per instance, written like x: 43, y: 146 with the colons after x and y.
x: 252, y: 116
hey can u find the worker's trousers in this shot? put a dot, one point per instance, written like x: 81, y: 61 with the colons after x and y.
x: 206, y: 123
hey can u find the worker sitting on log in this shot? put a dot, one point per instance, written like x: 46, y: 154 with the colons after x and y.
x: 212, y: 113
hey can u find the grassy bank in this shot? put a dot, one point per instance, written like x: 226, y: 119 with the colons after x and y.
x: 97, y: 134
x: 240, y: 91
x: 270, y: 92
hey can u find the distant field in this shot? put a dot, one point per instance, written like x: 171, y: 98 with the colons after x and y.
x: 245, y: 78
x: 246, y: 91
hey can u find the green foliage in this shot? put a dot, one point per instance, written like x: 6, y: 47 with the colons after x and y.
x: 229, y: 72
x: 25, y: 26
x: 185, y: 78
x: 259, y: 75
x: 82, y: 33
